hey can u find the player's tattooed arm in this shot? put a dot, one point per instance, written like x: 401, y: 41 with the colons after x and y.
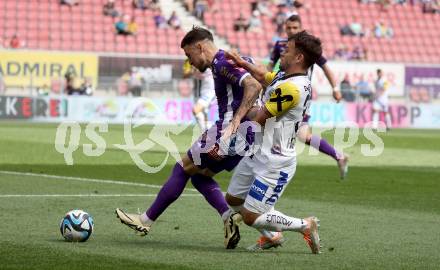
x: 256, y: 71
x: 251, y: 92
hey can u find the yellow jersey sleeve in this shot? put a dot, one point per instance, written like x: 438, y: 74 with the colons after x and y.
x: 186, y: 67
x: 285, y: 97
x: 269, y: 76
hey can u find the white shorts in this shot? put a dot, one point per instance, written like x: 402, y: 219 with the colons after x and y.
x: 380, y: 106
x: 261, y: 184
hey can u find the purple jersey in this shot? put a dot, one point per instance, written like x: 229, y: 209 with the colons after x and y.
x: 228, y: 89
x: 229, y: 92
x: 280, y: 46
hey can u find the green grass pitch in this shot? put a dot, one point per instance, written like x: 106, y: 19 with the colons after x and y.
x: 386, y: 215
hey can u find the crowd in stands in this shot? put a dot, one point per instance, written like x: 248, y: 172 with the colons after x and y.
x: 199, y: 7
x: 359, y: 52
x: 360, y: 90
x: 380, y: 30
x: 428, y: 6
x: 127, y: 25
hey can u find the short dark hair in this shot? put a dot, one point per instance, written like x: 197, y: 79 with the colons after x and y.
x: 309, y: 45
x: 196, y: 34
x: 294, y: 18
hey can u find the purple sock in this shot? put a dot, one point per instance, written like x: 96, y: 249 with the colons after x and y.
x: 209, y: 188
x: 169, y: 192
x: 323, y: 146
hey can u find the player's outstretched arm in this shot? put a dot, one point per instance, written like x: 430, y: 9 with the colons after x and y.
x: 257, y: 72
x: 331, y: 79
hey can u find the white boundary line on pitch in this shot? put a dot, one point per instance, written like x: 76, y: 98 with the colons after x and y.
x: 85, y: 195
x: 90, y: 180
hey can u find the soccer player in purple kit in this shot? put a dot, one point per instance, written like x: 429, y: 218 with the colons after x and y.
x: 236, y: 93
x: 292, y: 26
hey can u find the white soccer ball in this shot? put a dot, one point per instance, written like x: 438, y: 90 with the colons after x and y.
x: 76, y: 226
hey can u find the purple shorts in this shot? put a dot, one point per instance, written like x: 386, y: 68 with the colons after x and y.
x: 198, y: 153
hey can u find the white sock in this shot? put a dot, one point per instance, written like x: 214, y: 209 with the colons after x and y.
x: 375, y: 119
x: 145, y: 219
x: 388, y: 120
x: 277, y: 221
x: 263, y: 232
x: 201, y: 120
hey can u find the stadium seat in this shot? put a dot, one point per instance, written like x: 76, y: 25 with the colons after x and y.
x: 86, y: 23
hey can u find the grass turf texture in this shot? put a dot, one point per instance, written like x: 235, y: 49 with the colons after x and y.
x: 385, y: 216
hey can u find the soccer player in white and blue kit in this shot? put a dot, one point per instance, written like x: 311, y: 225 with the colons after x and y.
x: 259, y: 180
x: 292, y: 26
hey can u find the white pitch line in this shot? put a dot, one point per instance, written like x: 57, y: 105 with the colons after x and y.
x: 85, y: 195
x: 90, y: 180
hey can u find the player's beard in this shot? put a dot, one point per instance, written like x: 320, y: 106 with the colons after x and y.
x: 282, y: 67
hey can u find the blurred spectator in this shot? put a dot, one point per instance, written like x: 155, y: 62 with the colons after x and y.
x: 352, y: 29
x: 160, y: 20
x: 132, y: 26
x: 293, y: 3
x: 383, y: 31
x: 255, y: 22
x: 199, y: 9
x: 69, y: 2
x: 359, y: 53
x: 431, y: 6
x: 280, y: 18
x: 363, y: 89
x: 241, y: 24
x: 110, y: 10
x: 346, y: 89
x: 342, y: 53
x: 189, y: 5
x: 262, y: 6
x: 15, y: 42
x: 73, y: 84
x: 121, y: 26
x: 140, y: 4
x: 174, y: 21
x: 154, y: 5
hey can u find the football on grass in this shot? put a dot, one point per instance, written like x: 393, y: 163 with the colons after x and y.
x: 76, y: 226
